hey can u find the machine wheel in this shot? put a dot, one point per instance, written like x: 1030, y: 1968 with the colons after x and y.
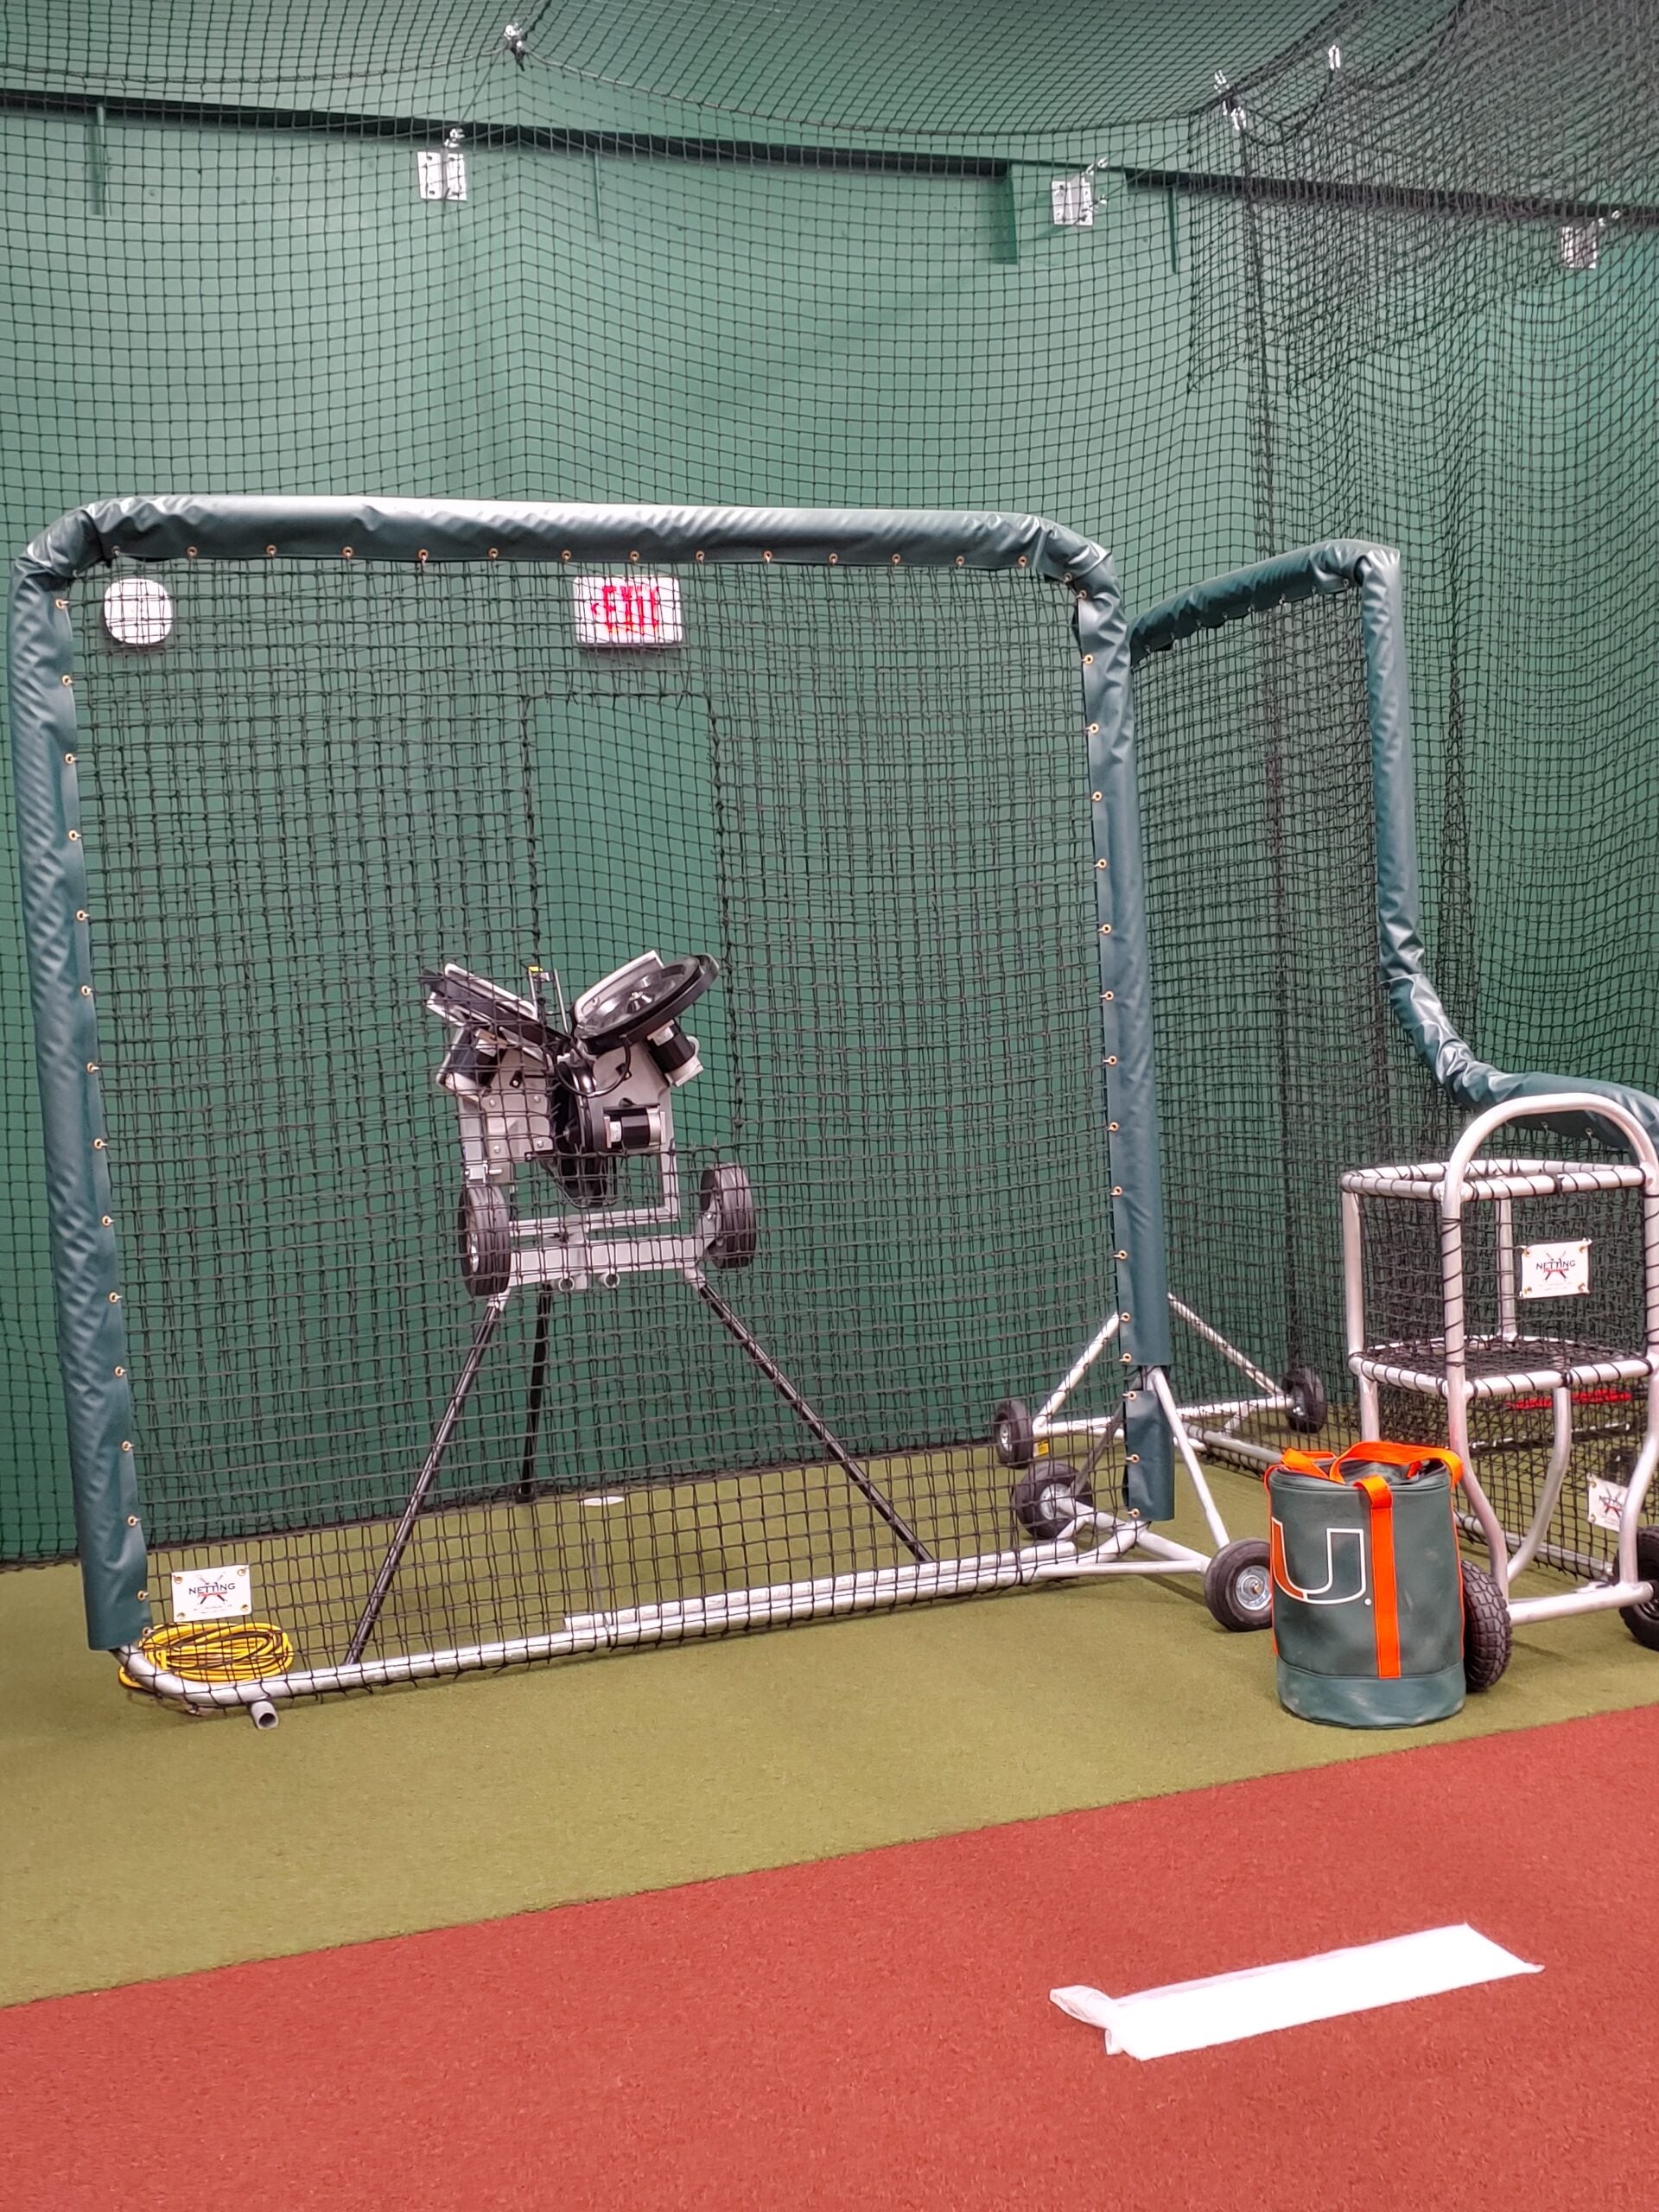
x: 1238, y: 1585
x: 1012, y: 1436
x: 1049, y: 1497
x: 1305, y: 1391
x: 1487, y: 1629
x: 1643, y: 1621
x: 639, y: 999
x: 726, y: 1209
x: 484, y: 1239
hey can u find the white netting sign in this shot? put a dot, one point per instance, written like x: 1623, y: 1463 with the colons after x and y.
x: 1606, y: 1503
x: 1555, y: 1270
x: 213, y: 1593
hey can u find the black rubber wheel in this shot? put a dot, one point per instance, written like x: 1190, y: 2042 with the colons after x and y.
x: 1643, y: 1621
x: 1308, y: 1407
x: 726, y: 1205
x: 1049, y: 1497
x: 1238, y: 1585
x: 484, y: 1239
x: 1012, y: 1437
x: 1487, y: 1629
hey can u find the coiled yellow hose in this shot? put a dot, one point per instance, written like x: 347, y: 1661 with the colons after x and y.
x: 216, y: 1652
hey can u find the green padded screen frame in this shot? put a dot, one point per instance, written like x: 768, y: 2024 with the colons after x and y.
x: 86, y: 1252
x: 1340, y: 565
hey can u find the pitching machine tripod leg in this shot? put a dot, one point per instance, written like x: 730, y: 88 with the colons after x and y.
x: 537, y: 1392
x: 756, y: 1351
x: 488, y: 1322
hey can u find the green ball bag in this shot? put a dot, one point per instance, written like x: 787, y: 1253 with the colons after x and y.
x: 1367, y: 1585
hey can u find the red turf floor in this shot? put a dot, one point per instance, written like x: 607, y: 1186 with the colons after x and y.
x: 875, y: 2030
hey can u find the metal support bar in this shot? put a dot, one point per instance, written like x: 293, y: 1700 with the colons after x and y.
x: 1503, y: 1216
x: 1165, y: 1397
x: 1218, y: 1441
x: 1088, y: 1566
x: 1044, y: 1422
x: 1179, y: 1556
x: 1601, y: 1597
x: 1561, y: 1452
x: 1229, y: 1352
x: 823, y: 1598
x: 754, y: 1350
x: 1558, y: 1556
x: 488, y: 1322
x: 537, y: 1391
x: 1353, y: 1306
x: 1079, y: 1367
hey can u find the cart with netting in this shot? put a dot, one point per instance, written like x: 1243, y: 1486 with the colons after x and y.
x: 1455, y: 1273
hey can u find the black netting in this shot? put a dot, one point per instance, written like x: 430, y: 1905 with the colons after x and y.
x: 327, y: 780
x: 1280, y: 1063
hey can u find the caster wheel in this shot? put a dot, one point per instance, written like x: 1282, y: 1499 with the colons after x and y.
x: 1238, y: 1585
x: 1307, y: 1401
x: 725, y: 1211
x: 1048, y: 1498
x: 1643, y: 1621
x: 1011, y: 1433
x: 1487, y: 1630
x: 484, y: 1239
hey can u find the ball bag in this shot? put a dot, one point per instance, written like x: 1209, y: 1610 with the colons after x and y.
x: 1367, y: 1586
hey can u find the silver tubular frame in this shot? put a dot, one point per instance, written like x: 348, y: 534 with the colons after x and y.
x: 1122, y: 1545
x: 1117, y: 1536
x: 1468, y: 1177
x: 829, y: 1597
x: 1046, y: 1422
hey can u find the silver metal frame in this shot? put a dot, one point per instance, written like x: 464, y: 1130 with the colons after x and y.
x: 1117, y: 1536
x: 1469, y: 1178
x: 1271, y: 1399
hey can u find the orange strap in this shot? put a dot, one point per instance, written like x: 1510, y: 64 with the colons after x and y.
x: 1379, y: 1496
x: 1308, y: 1463
x: 1408, y: 1456
x: 1373, y: 1452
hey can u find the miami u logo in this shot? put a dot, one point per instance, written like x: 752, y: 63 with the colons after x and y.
x: 1345, y: 1568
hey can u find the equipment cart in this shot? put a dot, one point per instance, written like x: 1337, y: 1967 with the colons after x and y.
x: 1517, y: 1237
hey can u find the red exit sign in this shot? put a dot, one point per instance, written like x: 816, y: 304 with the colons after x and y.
x: 628, y: 610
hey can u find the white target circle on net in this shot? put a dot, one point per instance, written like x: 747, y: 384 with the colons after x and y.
x: 139, y: 611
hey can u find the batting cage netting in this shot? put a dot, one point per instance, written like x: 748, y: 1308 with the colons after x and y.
x: 332, y: 787
x: 1219, y: 285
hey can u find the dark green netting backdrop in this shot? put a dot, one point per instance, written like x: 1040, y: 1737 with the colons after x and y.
x: 722, y: 252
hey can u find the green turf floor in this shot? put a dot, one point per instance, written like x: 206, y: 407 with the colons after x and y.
x: 138, y: 1842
